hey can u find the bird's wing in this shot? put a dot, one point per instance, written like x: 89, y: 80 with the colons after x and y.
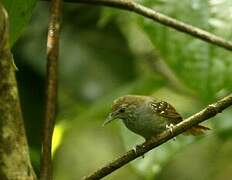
x: 166, y: 110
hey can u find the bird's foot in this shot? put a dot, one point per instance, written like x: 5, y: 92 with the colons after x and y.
x: 170, y: 127
x: 137, y: 147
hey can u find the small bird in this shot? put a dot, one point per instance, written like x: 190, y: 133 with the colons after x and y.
x: 147, y: 116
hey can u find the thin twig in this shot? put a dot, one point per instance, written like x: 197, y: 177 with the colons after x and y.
x: 208, y: 112
x: 161, y: 18
x: 51, y: 89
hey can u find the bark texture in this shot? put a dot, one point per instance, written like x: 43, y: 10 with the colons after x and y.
x: 14, y: 154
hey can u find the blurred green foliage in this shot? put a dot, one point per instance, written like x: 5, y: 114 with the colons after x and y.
x: 106, y: 53
x: 19, y: 13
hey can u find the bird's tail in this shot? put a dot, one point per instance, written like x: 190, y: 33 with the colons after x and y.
x: 196, y: 130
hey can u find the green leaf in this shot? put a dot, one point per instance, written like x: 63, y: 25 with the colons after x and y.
x: 203, y: 67
x: 19, y: 13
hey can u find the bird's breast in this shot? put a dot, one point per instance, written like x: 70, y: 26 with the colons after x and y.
x: 146, y: 125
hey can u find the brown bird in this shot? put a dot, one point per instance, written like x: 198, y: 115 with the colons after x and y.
x: 146, y: 116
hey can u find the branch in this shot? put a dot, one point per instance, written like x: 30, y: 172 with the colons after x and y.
x: 210, y: 111
x: 14, y: 153
x: 162, y: 19
x: 51, y: 89
x: 157, y: 64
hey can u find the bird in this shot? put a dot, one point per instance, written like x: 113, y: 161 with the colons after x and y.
x: 147, y: 116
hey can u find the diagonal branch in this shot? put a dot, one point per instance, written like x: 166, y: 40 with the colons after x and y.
x: 210, y: 111
x: 51, y: 89
x: 130, y: 5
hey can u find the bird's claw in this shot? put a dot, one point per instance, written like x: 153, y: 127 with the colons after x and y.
x: 170, y: 127
x: 135, y: 149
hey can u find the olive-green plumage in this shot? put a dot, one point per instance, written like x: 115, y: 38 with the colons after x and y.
x: 146, y: 116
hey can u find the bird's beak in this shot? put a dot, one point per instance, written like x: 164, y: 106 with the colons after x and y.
x: 109, y: 118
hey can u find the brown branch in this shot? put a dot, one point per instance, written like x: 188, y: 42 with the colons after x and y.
x: 14, y: 153
x: 208, y: 112
x: 161, y: 18
x: 51, y: 89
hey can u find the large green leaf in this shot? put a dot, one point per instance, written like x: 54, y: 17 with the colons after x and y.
x: 203, y: 67
x: 19, y: 14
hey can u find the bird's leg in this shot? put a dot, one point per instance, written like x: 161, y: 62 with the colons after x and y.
x: 170, y: 127
x: 138, y: 146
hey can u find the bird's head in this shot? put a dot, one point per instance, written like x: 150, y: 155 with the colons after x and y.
x: 123, y: 108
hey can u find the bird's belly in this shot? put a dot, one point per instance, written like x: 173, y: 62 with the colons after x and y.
x: 147, y: 127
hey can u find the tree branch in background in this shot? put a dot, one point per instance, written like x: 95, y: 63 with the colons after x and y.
x: 51, y: 89
x: 14, y: 154
x: 157, y: 64
x: 130, y: 5
x: 210, y: 111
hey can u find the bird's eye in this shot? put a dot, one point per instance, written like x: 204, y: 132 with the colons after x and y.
x: 122, y: 110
